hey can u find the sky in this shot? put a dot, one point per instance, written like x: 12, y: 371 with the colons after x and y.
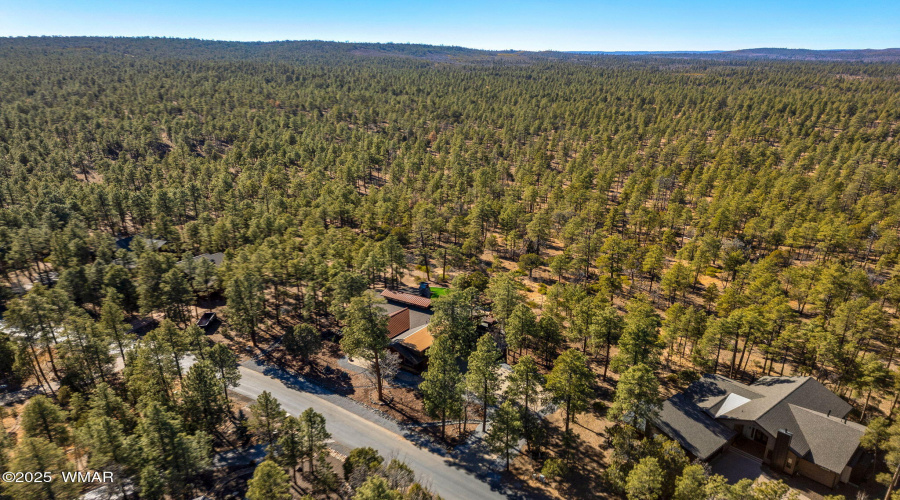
x: 566, y: 25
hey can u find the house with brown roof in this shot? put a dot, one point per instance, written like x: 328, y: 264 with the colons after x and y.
x: 403, y: 319
x: 793, y: 424
x: 408, y: 318
x: 413, y: 349
x: 406, y: 299
x: 398, y: 322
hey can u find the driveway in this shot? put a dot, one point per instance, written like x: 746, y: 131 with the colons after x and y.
x: 735, y: 466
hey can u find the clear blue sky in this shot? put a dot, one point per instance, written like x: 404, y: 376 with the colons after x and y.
x: 488, y: 24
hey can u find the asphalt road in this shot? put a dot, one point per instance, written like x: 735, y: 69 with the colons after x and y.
x: 465, y: 476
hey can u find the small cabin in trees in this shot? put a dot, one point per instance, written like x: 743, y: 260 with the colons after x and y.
x: 408, y: 318
x: 151, y: 243
x: 413, y: 349
x: 216, y: 258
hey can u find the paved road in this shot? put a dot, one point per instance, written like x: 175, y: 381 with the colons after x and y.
x: 465, y: 474
x: 447, y: 476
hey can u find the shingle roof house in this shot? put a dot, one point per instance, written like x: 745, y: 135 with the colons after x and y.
x: 797, y: 422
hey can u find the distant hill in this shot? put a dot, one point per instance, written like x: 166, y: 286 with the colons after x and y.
x: 294, y: 50
x: 865, y: 55
x: 642, y: 52
x: 321, y: 51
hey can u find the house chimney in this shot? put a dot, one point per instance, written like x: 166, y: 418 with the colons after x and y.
x: 781, y: 450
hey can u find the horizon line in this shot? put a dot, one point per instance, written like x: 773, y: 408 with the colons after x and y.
x: 575, y: 51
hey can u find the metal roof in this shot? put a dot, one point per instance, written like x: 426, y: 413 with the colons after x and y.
x: 398, y: 322
x: 407, y: 298
x: 420, y: 340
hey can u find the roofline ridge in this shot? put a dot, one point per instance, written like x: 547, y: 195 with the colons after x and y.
x: 799, y: 428
x: 784, y: 397
x: 807, y: 377
x: 724, y: 377
x: 835, y: 419
x: 398, y: 312
x: 830, y: 418
x: 736, y: 382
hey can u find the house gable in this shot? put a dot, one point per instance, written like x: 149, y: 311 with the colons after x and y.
x: 800, y: 405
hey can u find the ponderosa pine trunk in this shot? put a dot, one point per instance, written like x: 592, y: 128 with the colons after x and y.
x: 484, y: 408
